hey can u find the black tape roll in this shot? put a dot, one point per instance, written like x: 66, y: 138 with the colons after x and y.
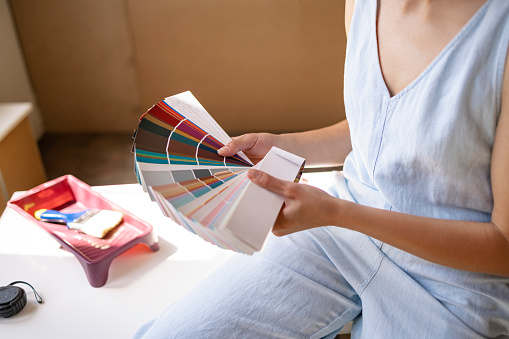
x: 12, y: 300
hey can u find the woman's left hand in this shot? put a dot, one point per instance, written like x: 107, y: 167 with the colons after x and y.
x: 304, y: 207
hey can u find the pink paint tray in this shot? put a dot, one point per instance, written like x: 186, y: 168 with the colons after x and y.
x: 68, y: 194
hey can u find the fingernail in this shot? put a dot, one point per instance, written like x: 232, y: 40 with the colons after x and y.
x: 224, y: 149
x: 253, y: 174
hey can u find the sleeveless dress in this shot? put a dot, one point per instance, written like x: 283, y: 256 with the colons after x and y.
x: 425, y: 151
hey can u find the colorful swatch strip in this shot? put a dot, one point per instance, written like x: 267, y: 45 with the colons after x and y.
x: 166, y: 136
x: 176, y: 162
x: 200, y: 205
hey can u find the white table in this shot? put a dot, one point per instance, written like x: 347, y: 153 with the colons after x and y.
x: 140, y: 286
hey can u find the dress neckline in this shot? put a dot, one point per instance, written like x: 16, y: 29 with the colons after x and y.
x: 430, y: 66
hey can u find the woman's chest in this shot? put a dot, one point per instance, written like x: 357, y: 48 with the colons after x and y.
x: 409, y: 39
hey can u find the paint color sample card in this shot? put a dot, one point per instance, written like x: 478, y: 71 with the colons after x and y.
x: 176, y: 162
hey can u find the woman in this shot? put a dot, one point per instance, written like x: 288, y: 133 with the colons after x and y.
x: 413, y: 240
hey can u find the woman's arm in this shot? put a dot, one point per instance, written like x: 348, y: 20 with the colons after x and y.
x: 322, y: 147
x: 472, y: 246
x: 326, y: 146
x: 500, y: 164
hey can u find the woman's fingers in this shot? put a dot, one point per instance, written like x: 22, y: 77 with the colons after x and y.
x: 268, y: 182
x: 238, y: 144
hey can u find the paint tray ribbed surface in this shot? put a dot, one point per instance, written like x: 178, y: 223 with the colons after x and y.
x: 68, y: 194
x: 176, y: 161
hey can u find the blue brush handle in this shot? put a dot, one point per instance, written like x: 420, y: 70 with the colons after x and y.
x: 59, y: 217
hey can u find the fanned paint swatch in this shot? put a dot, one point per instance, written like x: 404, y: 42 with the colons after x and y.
x: 176, y: 161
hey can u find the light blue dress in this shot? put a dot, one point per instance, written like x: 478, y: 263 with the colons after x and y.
x: 425, y: 151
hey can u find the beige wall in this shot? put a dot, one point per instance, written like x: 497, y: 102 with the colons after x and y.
x: 14, y: 80
x: 271, y: 65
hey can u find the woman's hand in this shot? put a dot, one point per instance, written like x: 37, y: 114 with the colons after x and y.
x: 254, y: 145
x: 305, y: 206
x: 326, y: 146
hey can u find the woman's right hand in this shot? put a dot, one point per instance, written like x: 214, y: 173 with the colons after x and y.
x: 254, y: 145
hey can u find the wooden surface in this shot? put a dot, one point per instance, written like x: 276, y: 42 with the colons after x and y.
x: 21, y: 166
x: 20, y: 160
x: 3, y: 202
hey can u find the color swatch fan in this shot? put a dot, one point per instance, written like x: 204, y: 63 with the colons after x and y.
x: 176, y: 162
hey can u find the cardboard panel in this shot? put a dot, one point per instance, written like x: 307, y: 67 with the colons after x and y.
x: 256, y: 65
x: 3, y: 203
x: 20, y: 161
x: 79, y: 56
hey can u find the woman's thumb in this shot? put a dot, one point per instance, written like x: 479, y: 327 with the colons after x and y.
x: 236, y: 145
x: 267, y: 181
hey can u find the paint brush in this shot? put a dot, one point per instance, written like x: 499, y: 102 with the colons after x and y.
x: 94, y: 222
